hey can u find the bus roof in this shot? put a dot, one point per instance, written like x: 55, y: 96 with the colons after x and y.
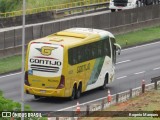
x: 74, y: 35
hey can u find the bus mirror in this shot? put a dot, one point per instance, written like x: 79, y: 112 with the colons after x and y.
x: 118, y: 48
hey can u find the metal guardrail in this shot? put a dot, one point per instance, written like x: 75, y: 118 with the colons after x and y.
x: 60, y: 7
x: 83, y: 9
x: 101, y: 104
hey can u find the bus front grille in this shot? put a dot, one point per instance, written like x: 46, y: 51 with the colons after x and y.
x: 122, y: 3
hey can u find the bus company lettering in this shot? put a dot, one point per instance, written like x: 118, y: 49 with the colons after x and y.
x: 83, y: 68
x: 45, y: 62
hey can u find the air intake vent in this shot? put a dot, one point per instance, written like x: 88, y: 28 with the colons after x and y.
x: 44, y: 68
x: 55, y: 39
x: 71, y: 34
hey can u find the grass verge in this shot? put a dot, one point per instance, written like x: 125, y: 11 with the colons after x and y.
x: 10, y: 64
x: 148, y: 101
x: 133, y: 38
x: 139, y: 37
x: 16, y: 5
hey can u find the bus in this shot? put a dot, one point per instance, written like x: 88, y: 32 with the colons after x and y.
x: 70, y: 62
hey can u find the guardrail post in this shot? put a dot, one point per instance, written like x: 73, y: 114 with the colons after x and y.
x: 130, y: 93
x: 155, y: 84
x: 102, y: 105
x: 155, y: 80
x: 87, y: 110
x: 143, y: 86
x: 126, y: 42
x: 117, y: 98
x: 83, y: 11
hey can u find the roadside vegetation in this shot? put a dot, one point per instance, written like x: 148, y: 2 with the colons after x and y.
x: 10, y: 64
x: 15, y: 5
x: 139, y: 37
x: 148, y: 101
x: 10, y: 105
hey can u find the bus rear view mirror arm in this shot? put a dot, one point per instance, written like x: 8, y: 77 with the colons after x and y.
x: 118, y: 48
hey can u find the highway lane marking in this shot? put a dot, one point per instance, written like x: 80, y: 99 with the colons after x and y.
x: 10, y: 75
x: 140, y: 46
x: 121, y: 77
x: 156, y: 68
x: 123, y: 61
x: 140, y: 72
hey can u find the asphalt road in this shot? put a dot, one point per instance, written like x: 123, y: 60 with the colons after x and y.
x: 133, y: 65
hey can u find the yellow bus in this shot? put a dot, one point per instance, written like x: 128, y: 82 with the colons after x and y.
x: 70, y: 62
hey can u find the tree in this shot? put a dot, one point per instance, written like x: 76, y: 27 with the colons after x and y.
x: 9, y: 5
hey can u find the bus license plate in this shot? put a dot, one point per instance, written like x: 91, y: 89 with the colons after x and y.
x: 42, y: 91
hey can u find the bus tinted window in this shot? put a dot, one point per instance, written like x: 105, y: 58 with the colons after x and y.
x: 113, y: 50
x: 89, y: 51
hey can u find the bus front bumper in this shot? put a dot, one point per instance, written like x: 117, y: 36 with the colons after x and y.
x: 44, y: 92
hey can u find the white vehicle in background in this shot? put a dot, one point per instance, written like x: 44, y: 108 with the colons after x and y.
x: 129, y: 4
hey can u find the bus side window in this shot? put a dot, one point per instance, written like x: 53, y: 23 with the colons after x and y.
x: 113, y: 50
x: 106, y: 47
x: 99, y: 48
x: 79, y: 56
x: 95, y: 50
x: 70, y: 56
x: 75, y: 56
x: 86, y: 53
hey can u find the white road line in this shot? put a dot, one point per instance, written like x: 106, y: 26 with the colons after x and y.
x: 140, y: 72
x: 121, y: 77
x: 10, y: 75
x: 123, y: 61
x: 141, y: 46
x: 156, y: 68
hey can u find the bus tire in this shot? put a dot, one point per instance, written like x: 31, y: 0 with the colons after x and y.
x: 113, y: 10
x: 37, y: 97
x: 73, y: 93
x: 103, y: 87
x: 78, y: 91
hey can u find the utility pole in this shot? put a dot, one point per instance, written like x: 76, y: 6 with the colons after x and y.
x: 23, y: 57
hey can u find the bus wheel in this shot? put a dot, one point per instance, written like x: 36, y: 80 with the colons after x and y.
x: 113, y: 10
x: 73, y: 93
x: 78, y: 92
x: 103, y: 87
x: 36, y: 97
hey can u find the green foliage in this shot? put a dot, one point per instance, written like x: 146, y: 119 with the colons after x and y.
x: 14, y: 5
x: 9, y: 5
x: 138, y: 37
x: 10, y: 105
x: 10, y: 64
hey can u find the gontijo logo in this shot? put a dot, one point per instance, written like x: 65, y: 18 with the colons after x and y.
x: 46, y: 50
